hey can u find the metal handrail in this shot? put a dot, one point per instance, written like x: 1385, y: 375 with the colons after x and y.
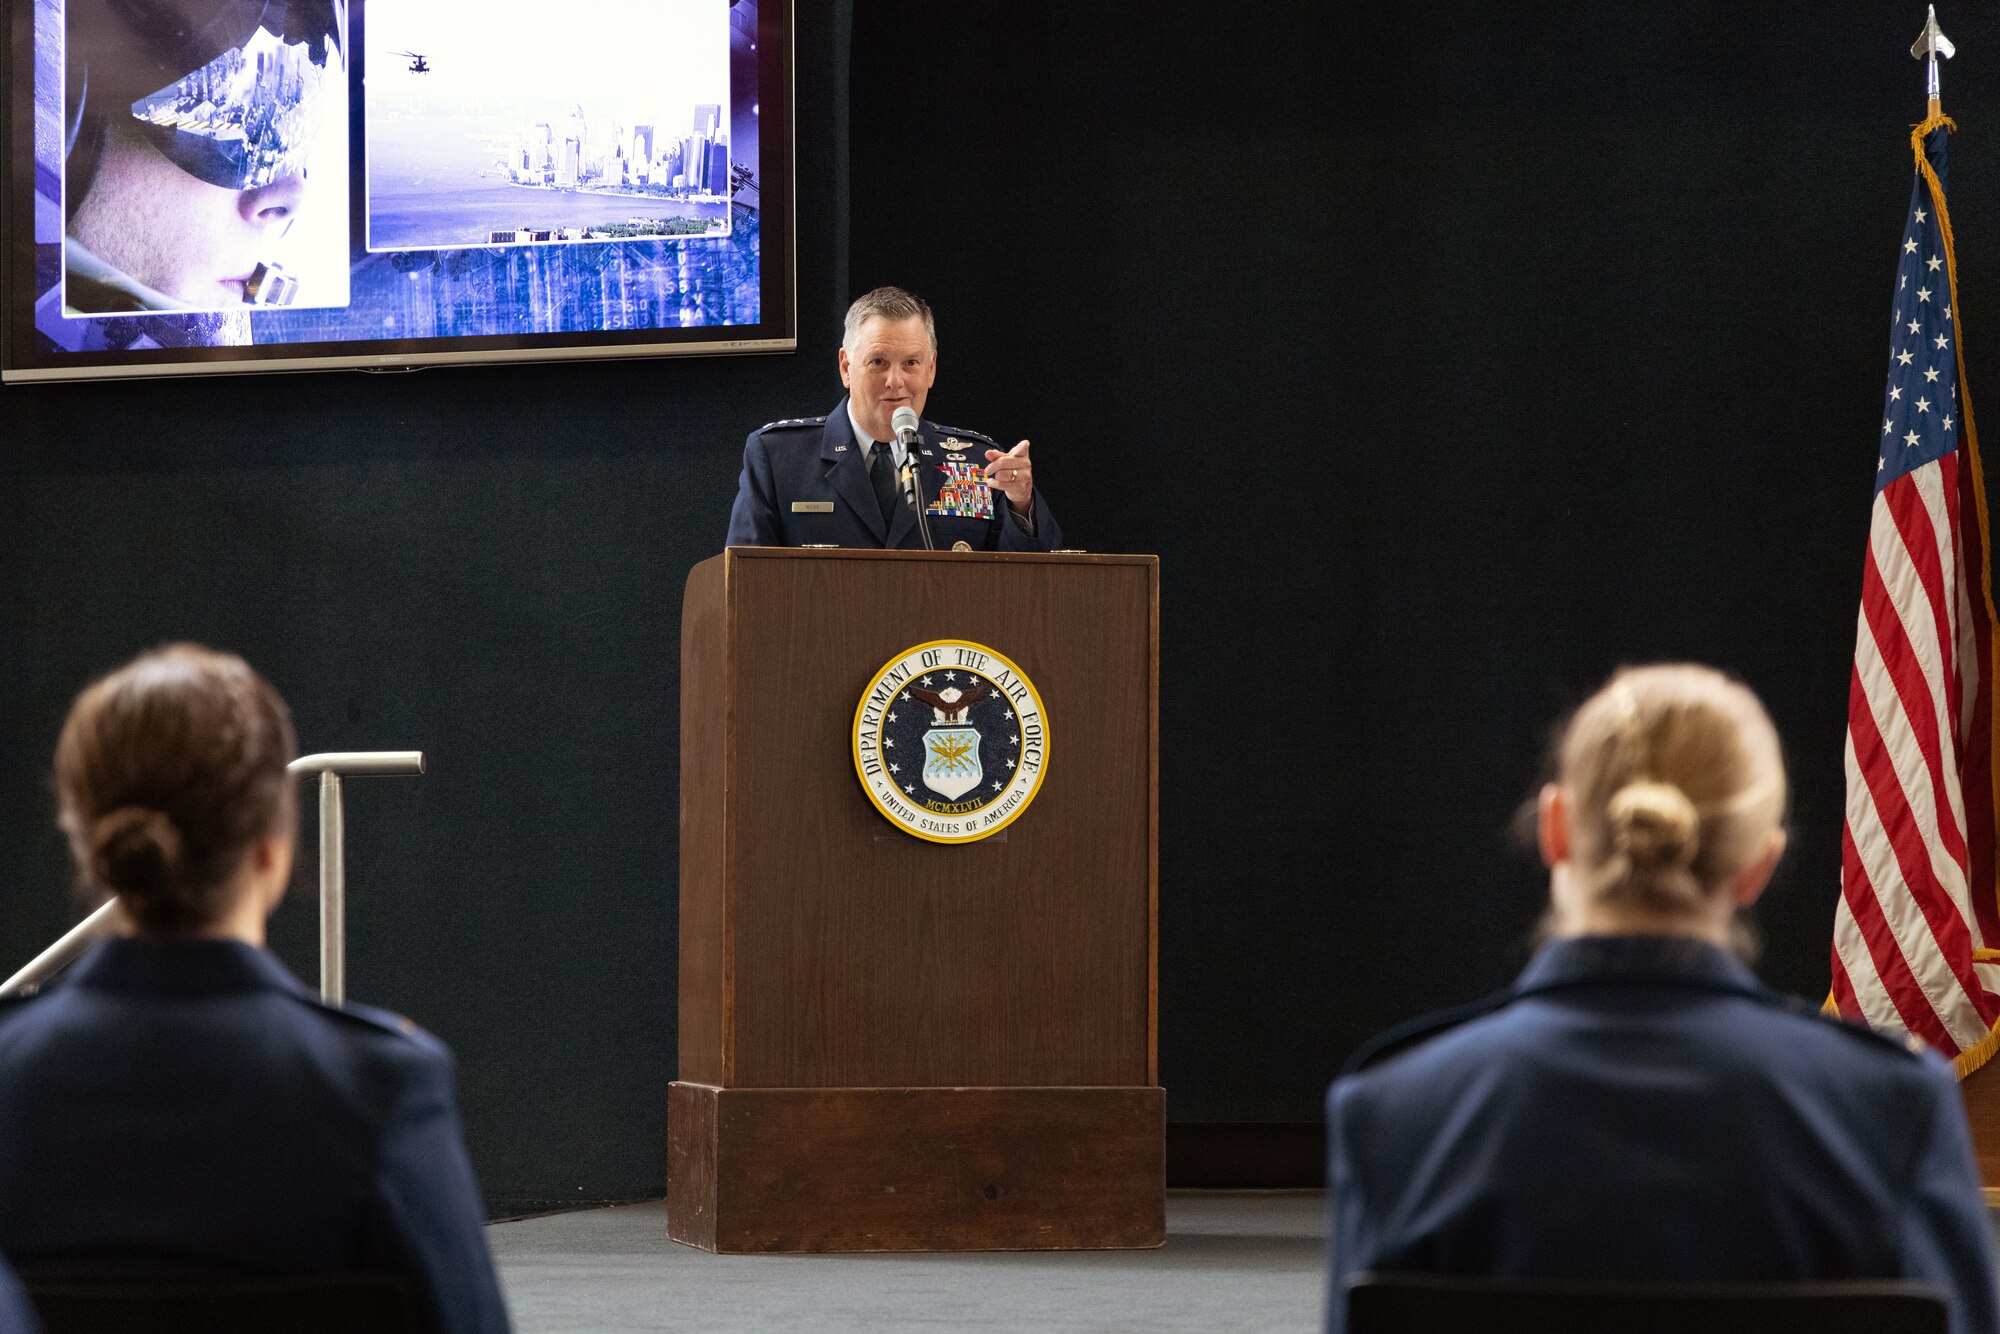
x: 331, y: 766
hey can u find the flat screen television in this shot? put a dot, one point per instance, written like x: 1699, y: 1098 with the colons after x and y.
x: 200, y: 186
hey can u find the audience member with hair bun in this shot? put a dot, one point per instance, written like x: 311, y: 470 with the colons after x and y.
x: 1638, y: 1105
x: 178, y: 1105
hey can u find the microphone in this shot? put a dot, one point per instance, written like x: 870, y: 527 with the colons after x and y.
x: 904, y: 421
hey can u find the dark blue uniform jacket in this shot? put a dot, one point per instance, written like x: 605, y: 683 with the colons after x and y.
x: 805, y: 482
x: 1641, y: 1107
x: 16, y: 1316
x: 186, y: 1108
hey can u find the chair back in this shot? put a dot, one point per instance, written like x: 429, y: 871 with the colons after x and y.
x: 305, y: 1304
x: 1448, y: 1304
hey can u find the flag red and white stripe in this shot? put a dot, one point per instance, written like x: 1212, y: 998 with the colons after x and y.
x: 1915, y: 933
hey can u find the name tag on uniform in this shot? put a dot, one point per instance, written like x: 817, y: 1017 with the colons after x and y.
x: 812, y: 507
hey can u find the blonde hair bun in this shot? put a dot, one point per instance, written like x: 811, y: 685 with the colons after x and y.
x: 1654, y: 824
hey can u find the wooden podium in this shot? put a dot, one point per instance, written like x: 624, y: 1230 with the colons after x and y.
x: 1981, y: 1091
x: 889, y: 1044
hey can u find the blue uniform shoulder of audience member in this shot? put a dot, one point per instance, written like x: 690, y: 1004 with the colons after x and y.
x: 1642, y: 1107
x: 16, y: 1315
x: 185, y: 1107
x: 805, y: 481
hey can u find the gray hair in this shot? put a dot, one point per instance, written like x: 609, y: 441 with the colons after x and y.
x: 889, y: 303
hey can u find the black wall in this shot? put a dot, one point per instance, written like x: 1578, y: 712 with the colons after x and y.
x: 1449, y: 358
x: 1447, y: 361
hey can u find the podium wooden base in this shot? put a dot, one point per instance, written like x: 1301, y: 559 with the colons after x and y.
x: 1981, y: 1091
x: 915, y: 1169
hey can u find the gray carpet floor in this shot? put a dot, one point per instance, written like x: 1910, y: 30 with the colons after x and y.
x: 1233, y: 1261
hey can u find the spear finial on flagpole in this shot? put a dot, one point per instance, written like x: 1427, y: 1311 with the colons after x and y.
x: 1931, y: 44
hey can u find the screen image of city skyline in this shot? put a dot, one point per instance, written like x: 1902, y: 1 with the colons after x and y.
x: 567, y: 178
x: 565, y: 154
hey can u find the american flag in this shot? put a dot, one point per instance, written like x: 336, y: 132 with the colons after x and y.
x: 1918, y: 915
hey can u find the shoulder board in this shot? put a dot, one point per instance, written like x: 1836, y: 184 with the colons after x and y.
x: 1909, y: 1045
x: 368, y: 1016
x: 964, y: 434
x: 791, y: 422
x: 1407, y: 1035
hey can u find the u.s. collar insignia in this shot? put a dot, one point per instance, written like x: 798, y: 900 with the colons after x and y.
x: 950, y: 741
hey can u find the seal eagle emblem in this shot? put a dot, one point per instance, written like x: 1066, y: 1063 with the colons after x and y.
x: 950, y: 741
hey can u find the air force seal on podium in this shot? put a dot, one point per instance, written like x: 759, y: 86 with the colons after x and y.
x: 950, y: 741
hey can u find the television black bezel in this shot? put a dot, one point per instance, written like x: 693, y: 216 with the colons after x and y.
x: 24, y: 358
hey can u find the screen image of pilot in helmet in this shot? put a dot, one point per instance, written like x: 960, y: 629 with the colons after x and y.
x: 206, y: 164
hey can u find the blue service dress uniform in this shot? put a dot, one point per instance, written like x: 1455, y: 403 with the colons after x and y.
x: 16, y: 1315
x: 805, y: 482
x: 186, y: 1108
x: 1641, y: 1107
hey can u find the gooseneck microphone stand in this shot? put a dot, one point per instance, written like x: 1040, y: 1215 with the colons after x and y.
x: 913, y: 492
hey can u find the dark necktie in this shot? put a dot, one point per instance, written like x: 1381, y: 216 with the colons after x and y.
x: 882, y: 471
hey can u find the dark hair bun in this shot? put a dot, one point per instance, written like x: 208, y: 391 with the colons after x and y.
x: 135, y: 850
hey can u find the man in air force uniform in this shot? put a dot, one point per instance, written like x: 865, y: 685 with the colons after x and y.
x: 832, y: 480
